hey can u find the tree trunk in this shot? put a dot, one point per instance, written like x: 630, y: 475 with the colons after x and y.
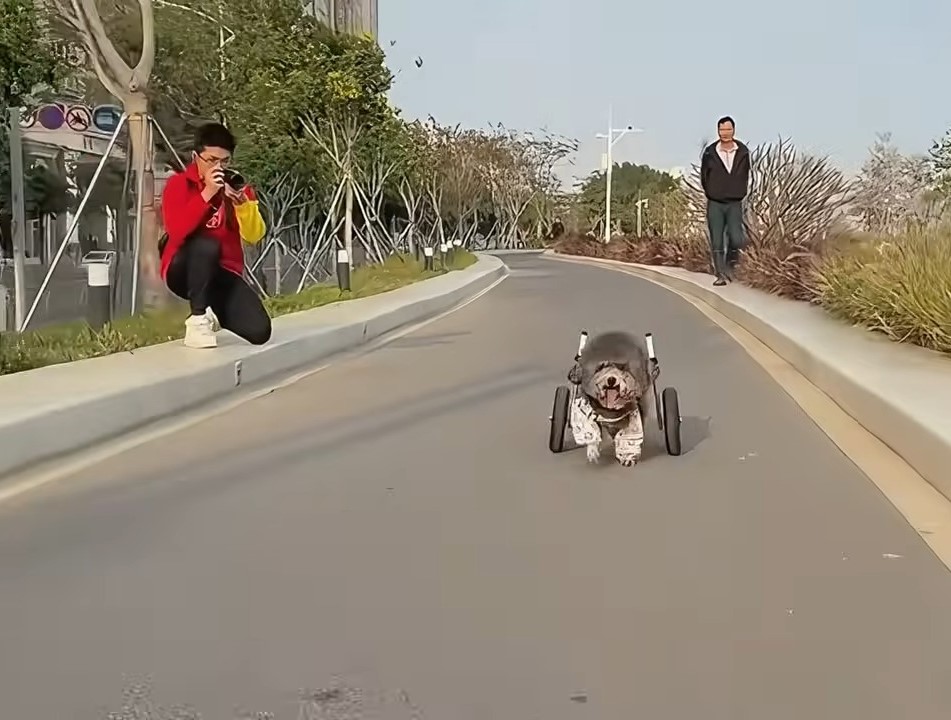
x: 150, y: 289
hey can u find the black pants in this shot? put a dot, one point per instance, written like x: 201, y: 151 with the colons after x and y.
x: 195, y: 275
x: 725, y: 222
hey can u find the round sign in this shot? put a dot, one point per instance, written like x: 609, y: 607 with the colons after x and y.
x: 78, y: 118
x: 51, y: 116
x: 106, y: 117
x: 27, y: 120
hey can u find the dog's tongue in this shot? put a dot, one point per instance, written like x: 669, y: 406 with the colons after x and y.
x: 611, y: 396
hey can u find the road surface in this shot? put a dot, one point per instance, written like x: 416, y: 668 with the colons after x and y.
x: 395, y: 527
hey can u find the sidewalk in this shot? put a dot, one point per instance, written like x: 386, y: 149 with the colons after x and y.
x: 62, y: 408
x: 900, y: 393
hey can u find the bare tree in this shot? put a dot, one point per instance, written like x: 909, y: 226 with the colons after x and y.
x: 411, y: 195
x: 416, y: 160
x: 546, y: 151
x: 510, y: 173
x: 434, y: 195
x: 128, y: 84
x: 281, y: 202
x: 891, y: 191
x: 374, y: 174
x: 462, y: 184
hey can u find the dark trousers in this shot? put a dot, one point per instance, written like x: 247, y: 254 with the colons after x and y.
x: 725, y: 222
x: 196, y: 275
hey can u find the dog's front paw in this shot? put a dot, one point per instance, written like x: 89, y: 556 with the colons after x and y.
x: 629, y: 460
x: 594, y: 452
x: 629, y: 443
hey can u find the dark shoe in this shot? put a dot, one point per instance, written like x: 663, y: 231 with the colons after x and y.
x: 719, y: 282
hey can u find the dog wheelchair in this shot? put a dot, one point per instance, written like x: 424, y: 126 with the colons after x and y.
x: 667, y: 403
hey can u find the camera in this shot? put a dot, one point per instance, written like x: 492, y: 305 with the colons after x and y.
x: 234, y: 179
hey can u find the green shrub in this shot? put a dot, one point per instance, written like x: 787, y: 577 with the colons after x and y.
x: 77, y: 341
x: 900, y: 287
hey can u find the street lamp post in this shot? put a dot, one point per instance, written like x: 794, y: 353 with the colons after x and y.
x: 610, y: 138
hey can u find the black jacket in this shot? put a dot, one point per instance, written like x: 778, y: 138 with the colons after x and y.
x: 720, y: 185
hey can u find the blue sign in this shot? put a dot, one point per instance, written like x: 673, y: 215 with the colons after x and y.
x: 105, y: 118
x: 52, y: 116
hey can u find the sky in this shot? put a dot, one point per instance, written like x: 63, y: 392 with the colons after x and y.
x: 827, y: 74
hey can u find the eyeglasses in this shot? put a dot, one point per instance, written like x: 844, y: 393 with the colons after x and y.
x: 220, y: 161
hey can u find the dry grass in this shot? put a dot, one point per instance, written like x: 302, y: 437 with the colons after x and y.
x: 670, y: 252
x: 900, y: 287
x: 785, y: 271
x: 76, y: 341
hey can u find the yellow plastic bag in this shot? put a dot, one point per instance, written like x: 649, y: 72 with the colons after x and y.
x: 250, y: 223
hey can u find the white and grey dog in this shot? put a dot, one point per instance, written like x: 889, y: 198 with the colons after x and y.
x: 614, y: 378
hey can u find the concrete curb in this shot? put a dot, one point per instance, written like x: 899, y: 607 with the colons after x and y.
x: 524, y: 251
x: 60, y: 409
x: 879, y: 383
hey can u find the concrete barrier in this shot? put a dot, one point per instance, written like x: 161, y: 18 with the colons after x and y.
x: 900, y: 393
x: 63, y: 408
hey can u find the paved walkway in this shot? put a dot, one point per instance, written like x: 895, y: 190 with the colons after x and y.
x: 397, y: 522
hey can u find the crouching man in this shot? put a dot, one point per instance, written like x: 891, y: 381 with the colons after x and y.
x: 203, y: 260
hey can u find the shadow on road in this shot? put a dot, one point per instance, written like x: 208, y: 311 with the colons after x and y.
x: 693, y: 431
x: 342, y: 434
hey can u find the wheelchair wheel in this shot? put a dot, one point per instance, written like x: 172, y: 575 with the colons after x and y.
x: 559, y: 419
x: 672, y: 421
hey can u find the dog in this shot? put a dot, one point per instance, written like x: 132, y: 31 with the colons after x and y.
x: 615, y: 381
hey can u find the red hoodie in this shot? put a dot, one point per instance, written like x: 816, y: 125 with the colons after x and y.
x: 185, y: 211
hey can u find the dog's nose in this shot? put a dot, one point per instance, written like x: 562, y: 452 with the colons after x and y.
x: 612, y: 381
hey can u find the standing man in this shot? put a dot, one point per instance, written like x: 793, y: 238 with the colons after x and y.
x: 725, y: 177
x: 206, y: 220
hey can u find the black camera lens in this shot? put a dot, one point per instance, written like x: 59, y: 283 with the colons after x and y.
x: 235, y: 180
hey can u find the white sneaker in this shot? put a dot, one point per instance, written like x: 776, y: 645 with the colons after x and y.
x: 210, y: 314
x: 199, y: 332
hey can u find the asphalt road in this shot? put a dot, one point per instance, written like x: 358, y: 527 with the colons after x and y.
x: 395, y: 525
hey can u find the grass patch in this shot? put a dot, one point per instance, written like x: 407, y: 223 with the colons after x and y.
x: 900, y: 287
x: 77, y: 341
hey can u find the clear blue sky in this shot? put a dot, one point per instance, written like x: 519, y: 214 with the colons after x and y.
x: 827, y: 73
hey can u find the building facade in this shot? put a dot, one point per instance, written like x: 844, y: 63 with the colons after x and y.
x: 357, y: 17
